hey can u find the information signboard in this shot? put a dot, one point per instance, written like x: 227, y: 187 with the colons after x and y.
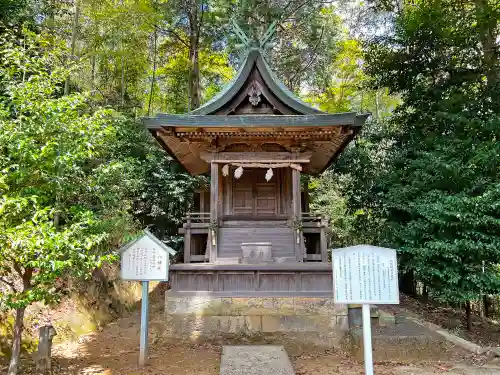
x: 365, y: 274
x: 145, y: 259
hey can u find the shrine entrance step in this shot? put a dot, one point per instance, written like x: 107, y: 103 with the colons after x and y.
x: 255, y: 360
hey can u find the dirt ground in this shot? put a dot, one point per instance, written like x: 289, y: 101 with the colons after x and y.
x: 337, y: 363
x: 114, y: 351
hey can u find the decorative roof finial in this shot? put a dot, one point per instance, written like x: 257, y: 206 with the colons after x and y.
x: 262, y: 43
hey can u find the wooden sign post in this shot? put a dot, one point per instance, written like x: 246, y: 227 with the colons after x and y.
x: 145, y: 259
x: 365, y: 275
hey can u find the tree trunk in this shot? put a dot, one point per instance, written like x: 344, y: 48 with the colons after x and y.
x: 155, y: 36
x: 487, y: 25
x: 377, y: 112
x: 194, y: 66
x: 407, y: 284
x: 16, y: 342
x: 468, y: 315
x: 425, y: 293
x: 74, y: 30
x: 92, y: 79
x: 194, y: 75
x: 486, y: 305
x: 123, y: 82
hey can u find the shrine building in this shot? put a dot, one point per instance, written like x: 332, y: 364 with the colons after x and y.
x: 256, y: 259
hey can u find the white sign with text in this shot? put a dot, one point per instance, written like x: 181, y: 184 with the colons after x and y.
x: 365, y: 274
x: 145, y: 259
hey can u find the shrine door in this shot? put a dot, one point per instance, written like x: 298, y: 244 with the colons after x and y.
x: 253, y: 195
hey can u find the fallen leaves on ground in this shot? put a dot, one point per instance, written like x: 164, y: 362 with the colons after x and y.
x: 484, y: 332
x: 115, y: 351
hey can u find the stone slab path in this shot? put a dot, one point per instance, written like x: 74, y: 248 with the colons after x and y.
x: 255, y: 360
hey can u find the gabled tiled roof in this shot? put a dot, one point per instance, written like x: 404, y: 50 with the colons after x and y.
x: 254, y: 57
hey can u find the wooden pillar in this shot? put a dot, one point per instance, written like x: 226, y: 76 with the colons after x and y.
x: 214, y: 211
x: 202, y: 201
x: 296, y: 213
x: 306, y: 194
x: 187, y: 239
x: 323, y: 241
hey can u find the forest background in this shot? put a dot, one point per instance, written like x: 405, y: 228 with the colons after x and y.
x: 79, y: 175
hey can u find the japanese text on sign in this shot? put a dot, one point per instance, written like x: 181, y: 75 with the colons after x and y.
x: 144, y: 260
x: 365, y: 274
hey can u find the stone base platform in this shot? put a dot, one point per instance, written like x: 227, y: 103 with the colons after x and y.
x: 303, y: 320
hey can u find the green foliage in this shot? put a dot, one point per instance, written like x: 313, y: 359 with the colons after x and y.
x: 348, y: 193
x: 61, y: 209
x: 15, y: 11
x: 113, y: 40
x: 343, y: 86
x: 440, y: 194
x: 172, y: 87
x: 305, y: 41
x: 327, y: 199
x: 157, y: 187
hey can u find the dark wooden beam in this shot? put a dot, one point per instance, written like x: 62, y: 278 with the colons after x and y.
x: 214, y: 208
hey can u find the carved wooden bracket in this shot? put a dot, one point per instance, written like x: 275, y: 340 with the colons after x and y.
x: 254, y: 93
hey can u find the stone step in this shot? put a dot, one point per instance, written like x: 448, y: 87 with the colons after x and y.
x: 379, y: 317
x: 403, y: 341
x: 383, y: 318
x: 255, y: 360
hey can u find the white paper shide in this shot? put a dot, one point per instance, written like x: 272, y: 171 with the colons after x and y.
x: 365, y: 274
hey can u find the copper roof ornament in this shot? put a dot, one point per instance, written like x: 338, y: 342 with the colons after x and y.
x: 262, y: 43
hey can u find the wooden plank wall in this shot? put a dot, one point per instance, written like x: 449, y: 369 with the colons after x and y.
x: 253, y: 283
x: 231, y: 236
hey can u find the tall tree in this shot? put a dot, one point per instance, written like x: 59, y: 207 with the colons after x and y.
x: 192, y: 24
x: 74, y: 35
x: 114, y: 48
x: 441, y: 193
x: 306, y: 37
x: 60, y: 211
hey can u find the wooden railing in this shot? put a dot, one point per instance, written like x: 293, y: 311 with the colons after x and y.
x: 197, y: 223
x: 197, y: 217
x: 316, y: 223
x: 312, y: 219
x: 309, y: 219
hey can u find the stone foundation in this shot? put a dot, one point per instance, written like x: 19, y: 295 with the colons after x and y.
x: 315, y: 320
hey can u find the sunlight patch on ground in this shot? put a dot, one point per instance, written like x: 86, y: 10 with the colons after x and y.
x: 95, y: 370
x: 194, y: 335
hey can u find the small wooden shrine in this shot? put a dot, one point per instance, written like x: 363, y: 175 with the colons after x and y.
x: 252, y: 233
